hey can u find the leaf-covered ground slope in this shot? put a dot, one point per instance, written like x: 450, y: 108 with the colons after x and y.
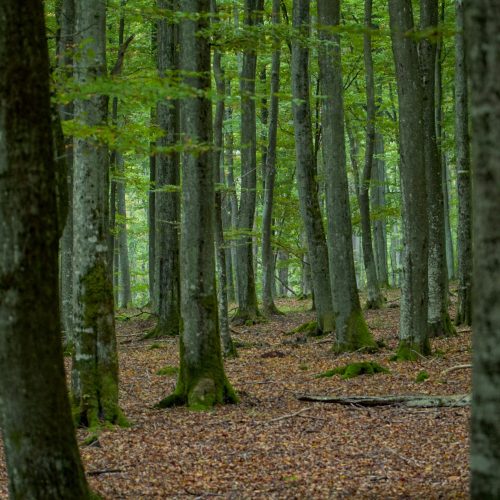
x: 274, y: 446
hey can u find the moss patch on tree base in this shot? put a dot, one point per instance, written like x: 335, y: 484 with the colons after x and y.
x: 443, y: 328
x: 376, y: 303
x: 310, y: 328
x: 168, y: 370
x: 411, y: 351
x: 356, y: 336
x: 355, y: 369
x: 247, y: 318
x: 161, y: 331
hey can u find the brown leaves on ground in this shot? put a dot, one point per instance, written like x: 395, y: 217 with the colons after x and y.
x: 273, y: 446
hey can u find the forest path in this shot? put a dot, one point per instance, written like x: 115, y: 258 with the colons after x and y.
x: 273, y: 446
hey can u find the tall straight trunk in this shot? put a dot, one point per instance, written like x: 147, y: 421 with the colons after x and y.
x: 202, y: 382
x: 482, y: 25
x: 438, y: 318
x: 375, y: 298
x: 351, y: 330
x: 270, y: 175
x: 232, y: 199
x: 152, y: 227
x: 227, y: 343
x: 95, y: 361
x: 167, y: 198
x: 413, y: 333
x: 377, y: 199
x: 125, y: 286
x: 464, y: 226
x: 450, y: 252
x: 306, y: 171
x: 38, y: 435
x: 247, y: 297
x: 65, y: 64
x: 283, y: 273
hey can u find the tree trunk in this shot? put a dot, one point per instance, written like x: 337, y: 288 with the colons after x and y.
x: 351, y: 329
x: 39, y: 440
x: 438, y: 318
x: 227, y: 343
x: 464, y: 225
x: 413, y: 317
x: 95, y: 361
x: 167, y: 199
x: 152, y: 225
x: 65, y: 64
x: 247, y: 297
x: 306, y: 171
x: 375, y: 298
x: 270, y: 175
x: 202, y: 382
x: 125, y: 286
x: 482, y: 25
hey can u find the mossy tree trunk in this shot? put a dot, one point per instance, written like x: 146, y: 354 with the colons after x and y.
x: 482, y: 25
x: 167, y: 198
x: 438, y: 318
x: 351, y: 329
x: 307, y: 183
x: 95, y: 360
x: 464, y: 225
x: 247, y: 296
x: 268, y: 267
x: 413, y: 331
x: 38, y: 434
x: 202, y: 382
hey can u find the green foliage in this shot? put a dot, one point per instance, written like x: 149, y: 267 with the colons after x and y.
x: 168, y: 370
x: 354, y: 370
x: 422, y: 376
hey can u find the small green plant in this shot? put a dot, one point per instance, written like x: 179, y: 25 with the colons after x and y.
x: 354, y: 370
x: 155, y: 345
x: 168, y: 370
x: 422, y: 376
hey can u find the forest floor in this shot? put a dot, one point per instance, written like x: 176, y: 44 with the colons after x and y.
x: 272, y: 445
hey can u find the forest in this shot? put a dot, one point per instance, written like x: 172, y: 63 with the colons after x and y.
x: 249, y: 249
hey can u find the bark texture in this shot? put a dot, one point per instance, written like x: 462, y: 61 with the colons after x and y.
x: 413, y: 331
x: 202, y: 382
x: 464, y: 225
x: 167, y: 196
x: 306, y: 171
x: 95, y: 360
x: 38, y: 435
x: 351, y: 329
x: 482, y: 25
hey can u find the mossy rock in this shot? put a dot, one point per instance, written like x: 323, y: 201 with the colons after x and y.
x: 354, y: 370
x: 310, y: 329
x: 422, y: 376
x: 168, y: 370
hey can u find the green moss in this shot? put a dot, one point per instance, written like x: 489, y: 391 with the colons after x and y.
x: 303, y: 367
x: 356, y: 335
x: 354, y: 370
x: 168, y: 370
x: 422, y: 376
x: 310, y: 327
x: 411, y: 351
x: 442, y: 328
x: 155, y: 345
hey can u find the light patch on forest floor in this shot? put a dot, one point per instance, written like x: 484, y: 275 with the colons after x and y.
x: 273, y: 446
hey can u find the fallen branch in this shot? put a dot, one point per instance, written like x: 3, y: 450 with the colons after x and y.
x: 103, y: 471
x: 283, y: 417
x: 453, y: 368
x: 422, y: 401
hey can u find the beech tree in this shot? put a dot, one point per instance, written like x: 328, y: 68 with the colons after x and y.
x: 202, y: 382
x: 95, y: 360
x: 482, y: 25
x: 413, y: 332
x: 38, y: 435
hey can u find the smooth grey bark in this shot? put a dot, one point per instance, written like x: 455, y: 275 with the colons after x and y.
x: 283, y: 273
x: 247, y: 297
x: 65, y: 65
x: 152, y: 224
x: 202, y: 382
x: 306, y: 170
x: 95, y: 360
x: 482, y: 25
x: 228, y: 346
x: 414, y: 295
x: 464, y: 225
x: 268, y: 270
x: 167, y: 196
x: 375, y: 298
x: 438, y: 318
x: 378, y: 203
x: 351, y: 329
x: 121, y: 227
x: 38, y: 435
